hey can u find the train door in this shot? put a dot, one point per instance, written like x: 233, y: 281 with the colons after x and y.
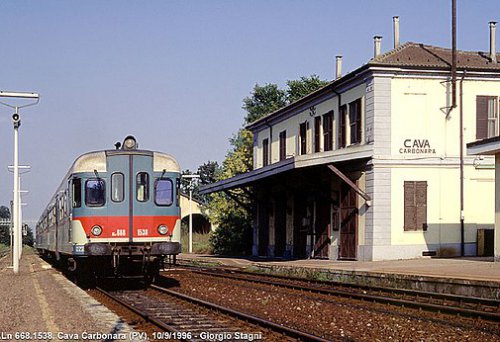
x: 119, y: 201
x: 142, y: 185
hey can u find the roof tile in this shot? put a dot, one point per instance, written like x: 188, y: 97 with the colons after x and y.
x: 419, y: 55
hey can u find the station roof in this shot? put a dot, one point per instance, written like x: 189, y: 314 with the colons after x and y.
x: 409, y: 55
x: 354, y: 153
x: 418, y: 55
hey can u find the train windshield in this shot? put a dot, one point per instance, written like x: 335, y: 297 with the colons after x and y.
x: 163, y: 192
x: 95, y: 192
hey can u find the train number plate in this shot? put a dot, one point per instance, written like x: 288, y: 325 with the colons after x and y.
x: 119, y: 232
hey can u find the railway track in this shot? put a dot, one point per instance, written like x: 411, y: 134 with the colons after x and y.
x: 186, y: 318
x: 445, y: 303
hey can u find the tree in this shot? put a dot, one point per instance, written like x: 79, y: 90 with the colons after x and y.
x: 28, y: 239
x: 297, y: 89
x: 264, y: 100
x: 208, y: 174
x: 234, y: 235
x: 4, y: 228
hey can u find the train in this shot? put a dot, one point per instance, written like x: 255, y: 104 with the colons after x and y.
x: 115, y: 214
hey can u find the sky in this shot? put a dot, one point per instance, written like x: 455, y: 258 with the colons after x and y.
x: 174, y: 73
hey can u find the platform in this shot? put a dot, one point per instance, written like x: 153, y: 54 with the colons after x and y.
x: 477, y: 277
x: 42, y: 305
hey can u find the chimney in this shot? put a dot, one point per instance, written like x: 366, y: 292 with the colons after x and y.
x: 338, y: 67
x: 493, y: 50
x: 395, y: 21
x: 377, y: 41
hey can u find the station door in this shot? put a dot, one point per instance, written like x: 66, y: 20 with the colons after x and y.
x: 348, y: 223
x: 263, y: 222
x: 280, y: 226
x: 322, y: 233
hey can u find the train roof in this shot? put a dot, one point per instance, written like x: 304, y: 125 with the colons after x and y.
x: 96, y: 161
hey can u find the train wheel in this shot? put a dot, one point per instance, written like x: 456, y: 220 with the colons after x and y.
x: 152, y: 272
x: 85, y: 276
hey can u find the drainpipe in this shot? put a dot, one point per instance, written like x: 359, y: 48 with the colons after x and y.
x: 462, y: 227
x: 453, y: 54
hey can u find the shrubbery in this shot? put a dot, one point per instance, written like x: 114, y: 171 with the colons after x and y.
x: 233, y: 237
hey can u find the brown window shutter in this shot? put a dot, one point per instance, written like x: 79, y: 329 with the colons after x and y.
x: 358, y: 120
x: 421, y: 205
x: 410, y: 208
x: 482, y: 117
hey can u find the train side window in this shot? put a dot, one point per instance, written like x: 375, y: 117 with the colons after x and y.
x: 142, y: 186
x: 163, y: 192
x: 95, y: 192
x: 77, y: 192
x: 117, y: 187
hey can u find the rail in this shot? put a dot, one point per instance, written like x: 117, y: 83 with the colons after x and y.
x: 452, y: 304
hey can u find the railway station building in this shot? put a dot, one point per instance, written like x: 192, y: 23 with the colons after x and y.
x: 368, y: 167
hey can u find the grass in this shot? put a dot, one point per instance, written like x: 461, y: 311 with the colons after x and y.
x: 201, y: 244
x: 4, y: 250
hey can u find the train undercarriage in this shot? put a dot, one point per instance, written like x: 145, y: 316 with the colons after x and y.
x: 119, y: 261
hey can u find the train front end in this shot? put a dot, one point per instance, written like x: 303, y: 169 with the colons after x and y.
x: 125, y: 216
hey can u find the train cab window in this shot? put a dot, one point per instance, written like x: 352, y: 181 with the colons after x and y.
x: 163, y: 192
x: 77, y: 192
x: 95, y: 192
x: 142, y: 186
x: 117, y: 187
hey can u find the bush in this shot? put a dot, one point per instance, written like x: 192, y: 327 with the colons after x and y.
x: 233, y: 237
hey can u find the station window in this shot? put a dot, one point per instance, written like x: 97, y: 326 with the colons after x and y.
x: 117, y: 187
x: 283, y: 145
x: 265, y: 152
x: 317, y: 134
x: 95, y: 192
x: 77, y: 192
x: 342, y: 126
x: 487, y: 123
x: 303, y: 138
x: 163, y: 192
x: 355, y: 121
x: 142, y: 186
x: 328, y: 131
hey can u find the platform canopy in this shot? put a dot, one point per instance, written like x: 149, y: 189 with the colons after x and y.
x: 489, y: 146
x: 292, y: 163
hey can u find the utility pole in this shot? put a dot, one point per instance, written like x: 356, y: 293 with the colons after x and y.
x: 16, y: 120
x: 191, y: 177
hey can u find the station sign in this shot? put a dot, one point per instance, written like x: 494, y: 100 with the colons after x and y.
x: 417, y: 146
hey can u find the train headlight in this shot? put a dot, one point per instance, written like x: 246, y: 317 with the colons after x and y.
x: 130, y: 143
x: 96, y: 230
x: 162, y: 229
